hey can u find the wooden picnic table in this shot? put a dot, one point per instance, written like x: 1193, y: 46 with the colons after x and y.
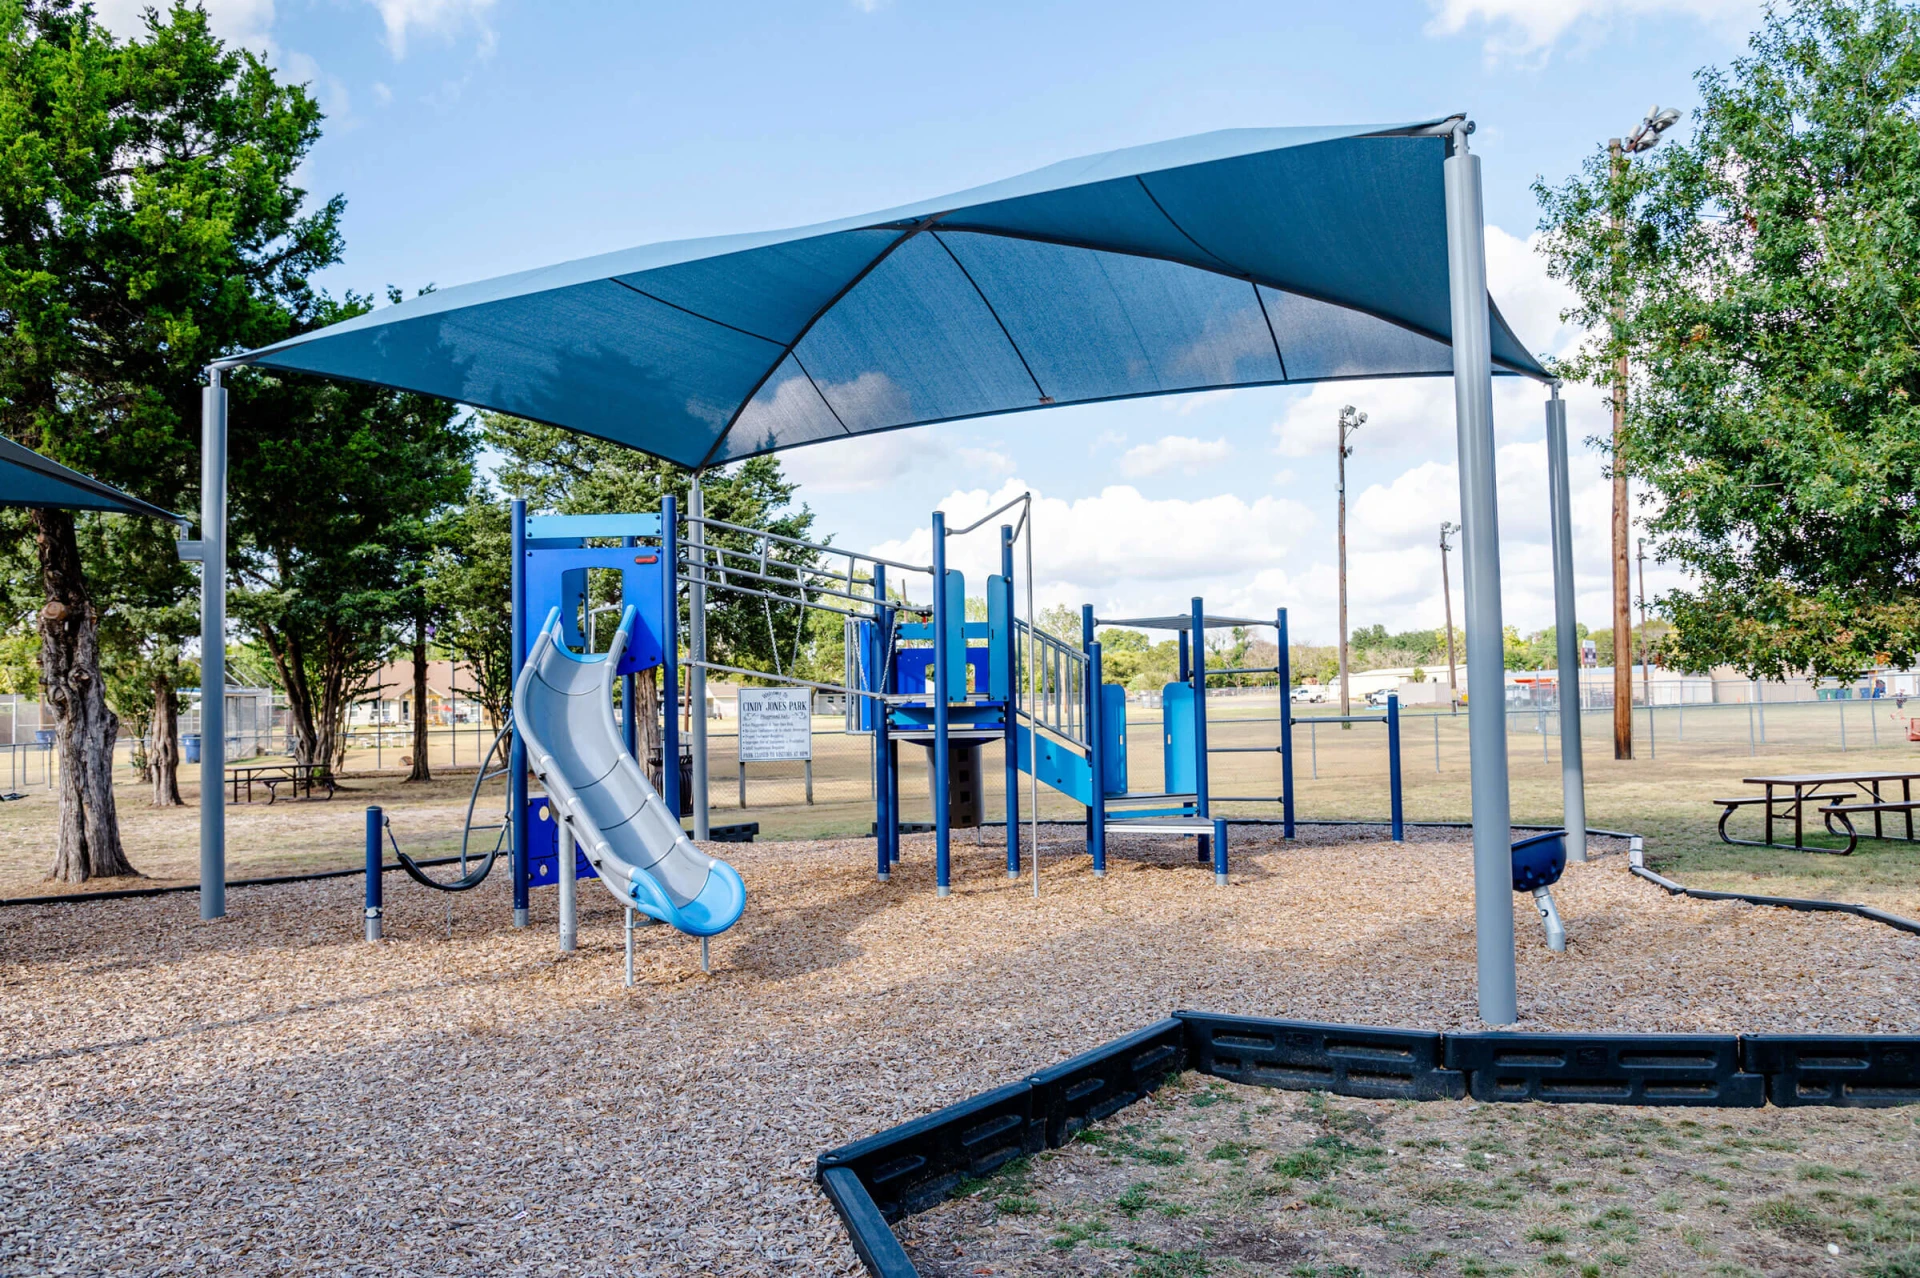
x: 1822, y: 785
x: 300, y: 777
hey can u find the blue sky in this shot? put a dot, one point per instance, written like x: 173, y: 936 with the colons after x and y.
x: 477, y: 137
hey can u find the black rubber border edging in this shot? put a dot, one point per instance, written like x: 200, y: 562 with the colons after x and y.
x: 909, y: 1168
x: 1637, y: 863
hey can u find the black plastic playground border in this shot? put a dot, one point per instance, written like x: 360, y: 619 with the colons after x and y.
x: 918, y: 1164
x: 912, y: 1167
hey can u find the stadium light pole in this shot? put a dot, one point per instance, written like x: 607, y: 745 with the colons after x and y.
x: 1645, y: 136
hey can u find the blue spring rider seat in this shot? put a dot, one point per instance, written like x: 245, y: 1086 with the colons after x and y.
x: 1538, y: 863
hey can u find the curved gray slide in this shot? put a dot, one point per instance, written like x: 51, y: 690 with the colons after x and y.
x: 563, y: 710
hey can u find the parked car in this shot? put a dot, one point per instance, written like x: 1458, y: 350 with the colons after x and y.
x: 1312, y: 693
x: 1378, y: 697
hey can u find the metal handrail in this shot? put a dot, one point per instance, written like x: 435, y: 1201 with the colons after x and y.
x: 1059, y: 702
x: 806, y: 545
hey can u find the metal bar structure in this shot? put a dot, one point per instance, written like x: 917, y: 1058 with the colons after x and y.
x: 629, y: 720
x: 697, y: 650
x: 942, y: 831
x: 803, y: 544
x: 517, y: 751
x: 670, y: 669
x: 1479, y: 509
x: 213, y: 647
x: 885, y: 821
x: 1286, y: 723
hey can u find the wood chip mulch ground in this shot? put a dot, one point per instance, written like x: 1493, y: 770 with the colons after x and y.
x: 271, y: 1095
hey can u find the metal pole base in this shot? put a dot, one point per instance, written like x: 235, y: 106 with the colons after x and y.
x: 943, y: 891
x: 520, y: 918
x: 373, y: 925
x: 629, y: 947
x: 1099, y: 874
x: 1219, y: 880
x: 706, y: 959
x: 1550, y: 920
x: 1013, y: 876
x: 883, y: 876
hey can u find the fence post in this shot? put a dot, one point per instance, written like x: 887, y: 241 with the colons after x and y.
x: 1393, y: 768
x: 743, y: 786
x: 809, y: 782
x: 375, y: 827
x: 1313, y: 745
x: 1843, y: 724
x: 1436, y: 745
x: 1751, y: 750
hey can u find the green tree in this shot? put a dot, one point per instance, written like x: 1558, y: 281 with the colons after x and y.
x: 469, y: 585
x: 335, y: 490
x: 149, y: 222
x: 561, y: 472
x: 1769, y: 271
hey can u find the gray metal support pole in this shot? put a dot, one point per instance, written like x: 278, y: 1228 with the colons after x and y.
x: 213, y: 647
x: 563, y: 872
x: 1573, y: 784
x: 1479, y: 511
x: 697, y: 646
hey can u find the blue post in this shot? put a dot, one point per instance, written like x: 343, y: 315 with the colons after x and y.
x: 630, y: 720
x: 1393, y: 766
x: 882, y: 747
x: 1286, y: 727
x: 1199, y: 677
x: 1012, y: 743
x: 1220, y: 852
x: 670, y: 671
x: 516, y: 748
x: 942, y: 852
x: 375, y: 828
x: 1096, y: 756
x: 1186, y: 664
x: 1090, y: 698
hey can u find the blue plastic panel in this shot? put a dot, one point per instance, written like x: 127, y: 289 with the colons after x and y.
x: 557, y: 578
x: 543, y: 847
x: 999, y: 638
x: 1061, y: 766
x: 1176, y: 738
x: 1113, y: 740
x: 911, y: 675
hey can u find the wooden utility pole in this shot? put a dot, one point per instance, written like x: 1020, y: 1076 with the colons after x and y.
x: 1644, y: 138
x: 1446, y: 594
x: 1622, y: 575
x: 1350, y: 421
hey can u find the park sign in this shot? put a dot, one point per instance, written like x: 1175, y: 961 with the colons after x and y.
x: 776, y: 724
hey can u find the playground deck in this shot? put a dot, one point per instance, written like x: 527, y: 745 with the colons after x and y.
x: 268, y: 1093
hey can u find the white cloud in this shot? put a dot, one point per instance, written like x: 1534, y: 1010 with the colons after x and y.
x: 863, y: 463
x: 991, y: 460
x: 241, y: 22
x: 382, y: 94
x: 403, y: 18
x: 1530, y: 28
x: 1183, y: 453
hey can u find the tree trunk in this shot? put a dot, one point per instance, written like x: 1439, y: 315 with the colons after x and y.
x: 163, y: 750
x: 420, y: 771
x: 89, y: 839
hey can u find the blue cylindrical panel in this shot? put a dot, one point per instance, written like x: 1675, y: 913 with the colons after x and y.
x: 882, y: 751
x: 1200, y: 705
x: 1011, y: 661
x: 375, y: 828
x: 1096, y: 757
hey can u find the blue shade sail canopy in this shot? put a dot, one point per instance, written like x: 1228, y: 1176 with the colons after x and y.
x: 28, y: 479
x: 1247, y: 257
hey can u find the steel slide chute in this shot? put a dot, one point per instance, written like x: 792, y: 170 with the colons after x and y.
x: 563, y: 710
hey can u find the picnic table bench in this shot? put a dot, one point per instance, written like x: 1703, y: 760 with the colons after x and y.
x: 300, y: 778
x: 1829, y: 792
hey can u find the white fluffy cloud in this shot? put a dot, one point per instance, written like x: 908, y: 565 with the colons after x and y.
x: 242, y: 22
x: 1530, y: 28
x: 1183, y: 453
x: 404, y: 18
